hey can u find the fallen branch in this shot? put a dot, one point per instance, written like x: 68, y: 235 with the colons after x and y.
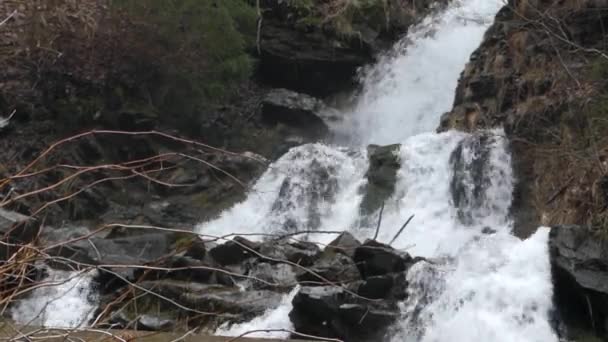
x: 401, y: 230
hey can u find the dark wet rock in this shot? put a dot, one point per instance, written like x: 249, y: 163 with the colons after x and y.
x: 132, y: 250
x: 308, y: 63
x: 188, y: 269
x: 470, y: 163
x: 234, y: 252
x: 336, y: 268
x: 388, y: 286
x: 345, y: 244
x: 384, y: 162
x: 215, y: 298
x: 302, y: 253
x: 579, y: 259
x: 374, y: 258
x: 488, y: 231
x: 120, y: 257
x: 197, y: 249
x: 178, y: 302
x: 303, y: 50
x: 15, y: 229
x: 334, y: 313
x: 298, y: 111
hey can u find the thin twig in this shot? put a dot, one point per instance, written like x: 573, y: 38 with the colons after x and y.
x: 401, y: 230
x: 8, y: 18
x: 379, y: 222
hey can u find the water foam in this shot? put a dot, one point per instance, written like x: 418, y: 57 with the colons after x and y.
x: 65, y: 300
x: 311, y: 187
x: 272, y: 324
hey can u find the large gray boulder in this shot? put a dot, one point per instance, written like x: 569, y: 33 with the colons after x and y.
x: 298, y: 111
x: 333, y: 312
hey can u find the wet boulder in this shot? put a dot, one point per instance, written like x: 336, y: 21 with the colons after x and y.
x: 234, y: 252
x: 15, y: 229
x: 301, y: 252
x: 374, y: 258
x: 579, y: 260
x: 345, y: 244
x: 332, y: 267
x: 332, y: 312
x: 165, y: 301
x: 120, y: 257
x: 387, y: 286
x: 300, y: 112
x: 384, y: 162
x: 471, y: 165
x: 196, y: 249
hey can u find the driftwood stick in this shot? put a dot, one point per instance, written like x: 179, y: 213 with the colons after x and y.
x: 401, y: 230
x: 379, y: 221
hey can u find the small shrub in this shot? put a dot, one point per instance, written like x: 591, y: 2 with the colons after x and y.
x: 178, y: 57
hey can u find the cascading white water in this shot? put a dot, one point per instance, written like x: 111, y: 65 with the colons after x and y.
x: 406, y: 92
x: 64, y: 300
x: 484, y: 284
x: 311, y: 186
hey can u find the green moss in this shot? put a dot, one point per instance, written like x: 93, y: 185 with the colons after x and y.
x: 182, y: 241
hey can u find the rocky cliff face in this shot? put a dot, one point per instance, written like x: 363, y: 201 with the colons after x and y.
x: 540, y: 73
x: 316, y: 47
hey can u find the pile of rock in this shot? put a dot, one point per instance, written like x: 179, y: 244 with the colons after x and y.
x: 167, y: 280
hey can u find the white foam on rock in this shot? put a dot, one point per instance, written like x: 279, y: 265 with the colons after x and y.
x: 272, y: 324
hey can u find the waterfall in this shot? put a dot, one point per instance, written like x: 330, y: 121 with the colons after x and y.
x: 483, y: 284
x: 408, y: 89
